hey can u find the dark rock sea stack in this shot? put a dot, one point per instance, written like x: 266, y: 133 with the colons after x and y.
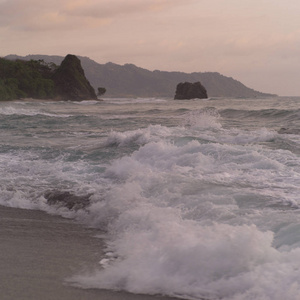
x: 66, y: 199
x: 70, y: 81
x: 188, y: 90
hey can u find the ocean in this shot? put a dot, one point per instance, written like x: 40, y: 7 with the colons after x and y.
x: 193, y: 199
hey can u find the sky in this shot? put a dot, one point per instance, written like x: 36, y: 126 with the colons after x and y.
x: 254, y: 41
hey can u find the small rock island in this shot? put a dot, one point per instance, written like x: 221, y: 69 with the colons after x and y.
x: 188, y: 90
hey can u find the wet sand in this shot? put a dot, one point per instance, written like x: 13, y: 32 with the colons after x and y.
x: 38, y: 252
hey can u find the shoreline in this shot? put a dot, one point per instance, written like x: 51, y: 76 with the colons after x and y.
x: 38, y: 252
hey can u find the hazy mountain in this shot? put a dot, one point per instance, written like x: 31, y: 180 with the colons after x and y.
x: 131, y: 81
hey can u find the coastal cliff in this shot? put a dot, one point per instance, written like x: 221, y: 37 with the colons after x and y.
x: 70, y: 81
x: 40, y: 80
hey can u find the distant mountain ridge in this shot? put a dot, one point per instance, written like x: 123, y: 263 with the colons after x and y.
x: 132, y: 81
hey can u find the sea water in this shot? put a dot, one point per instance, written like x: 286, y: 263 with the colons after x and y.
x: 193, y: 199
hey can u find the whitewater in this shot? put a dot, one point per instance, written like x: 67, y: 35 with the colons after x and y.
x: 193, y: 199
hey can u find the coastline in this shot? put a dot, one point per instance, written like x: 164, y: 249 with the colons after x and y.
x: 38, y: 252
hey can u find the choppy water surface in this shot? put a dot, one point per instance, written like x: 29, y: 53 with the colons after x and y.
x: 198, y: 199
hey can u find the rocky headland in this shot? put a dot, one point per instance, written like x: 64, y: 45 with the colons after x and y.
x: 70, y: 81
x: 38, y: 79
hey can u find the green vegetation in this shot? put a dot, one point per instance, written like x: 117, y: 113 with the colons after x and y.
x: 40, y: 80
x: 26, y: 79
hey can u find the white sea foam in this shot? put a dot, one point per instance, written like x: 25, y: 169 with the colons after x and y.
x: 194, y: 211
x: 206, y: 123
x: 124, y: 101
x: 176, y: 257
x: 247, y: 137
x: 86, y: 102
x: 138, y: 137
x: 177, y: 224
x: 12, y: 110
x: 202, y: 119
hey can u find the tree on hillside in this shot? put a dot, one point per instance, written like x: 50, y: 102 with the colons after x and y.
x: 21, y: 79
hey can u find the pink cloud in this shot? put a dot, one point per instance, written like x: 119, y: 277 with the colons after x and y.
x: 66, y: 14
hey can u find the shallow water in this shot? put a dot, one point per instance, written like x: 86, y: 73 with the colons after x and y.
x: 194, y: 199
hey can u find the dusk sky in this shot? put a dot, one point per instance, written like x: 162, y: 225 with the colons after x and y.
x: 254, y: 41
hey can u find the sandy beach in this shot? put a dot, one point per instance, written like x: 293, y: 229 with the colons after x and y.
x: 38, y: 254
